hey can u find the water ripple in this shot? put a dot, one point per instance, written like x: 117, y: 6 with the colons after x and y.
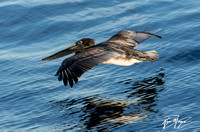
x: 107, y: 97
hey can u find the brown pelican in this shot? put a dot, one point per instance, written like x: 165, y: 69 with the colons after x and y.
x: 118, y: 50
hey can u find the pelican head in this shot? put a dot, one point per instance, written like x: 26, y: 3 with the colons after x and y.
x: 75, y: 48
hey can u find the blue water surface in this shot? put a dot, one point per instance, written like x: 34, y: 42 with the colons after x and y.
x: 107, y: 97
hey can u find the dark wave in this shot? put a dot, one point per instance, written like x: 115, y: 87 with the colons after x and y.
x: 186, y: 56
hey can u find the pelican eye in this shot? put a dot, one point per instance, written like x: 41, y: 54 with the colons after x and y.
x: 80, y: 42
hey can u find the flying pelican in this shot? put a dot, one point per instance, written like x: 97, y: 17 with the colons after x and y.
x: 118, y: 50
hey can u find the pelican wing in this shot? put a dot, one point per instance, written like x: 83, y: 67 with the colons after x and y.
x: 132, y: 38
x: 74, y: 66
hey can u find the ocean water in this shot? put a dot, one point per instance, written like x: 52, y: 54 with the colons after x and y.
x: 107, y: 97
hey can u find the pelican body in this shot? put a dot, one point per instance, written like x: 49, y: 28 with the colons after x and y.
x: 118, y: 50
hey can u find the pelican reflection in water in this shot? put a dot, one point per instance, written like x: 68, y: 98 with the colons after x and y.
x: 118, y: 50
x: 134, y: 103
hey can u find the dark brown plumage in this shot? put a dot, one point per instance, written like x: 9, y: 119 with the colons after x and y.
x: 118, y: 50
